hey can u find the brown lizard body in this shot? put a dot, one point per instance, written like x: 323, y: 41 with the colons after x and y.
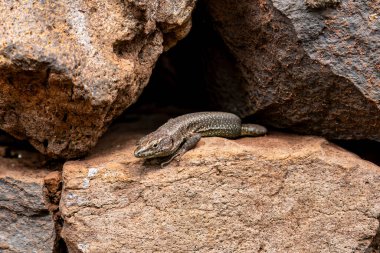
x: 181, y: 134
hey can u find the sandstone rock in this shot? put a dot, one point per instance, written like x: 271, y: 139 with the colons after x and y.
x: 278, y: 193
x: 314, y: 71
x: 25, y: 223
x: 68, y: 68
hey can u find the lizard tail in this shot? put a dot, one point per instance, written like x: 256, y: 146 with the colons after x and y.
x: 252, y: 130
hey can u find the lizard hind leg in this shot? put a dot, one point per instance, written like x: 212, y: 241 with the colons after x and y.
x: 189, y: 143
x: 252, y: 130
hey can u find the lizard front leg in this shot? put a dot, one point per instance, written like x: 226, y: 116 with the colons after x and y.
x: 189, y: 143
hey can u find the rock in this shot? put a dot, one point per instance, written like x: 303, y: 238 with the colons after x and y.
x: 25, y: 222
x: 52, y: 192
x: 53, y: 187
x: 68, y: 68
x: 278, y: 193
x: 314, y: 71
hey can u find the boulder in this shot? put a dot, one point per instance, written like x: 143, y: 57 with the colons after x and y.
x: 311, y: 70
x: 277, y: 193
x: 68, y: 68
x: 25, y: 222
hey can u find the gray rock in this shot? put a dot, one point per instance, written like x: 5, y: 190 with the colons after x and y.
x: 25, y: 222
x: 310, y: 70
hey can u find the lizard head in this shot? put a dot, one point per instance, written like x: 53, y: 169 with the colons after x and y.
x: 154, y: 145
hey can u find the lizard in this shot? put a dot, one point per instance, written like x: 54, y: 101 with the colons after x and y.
x: 182, y: 133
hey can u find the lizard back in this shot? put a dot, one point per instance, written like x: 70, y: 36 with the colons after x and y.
x: 221, y: 124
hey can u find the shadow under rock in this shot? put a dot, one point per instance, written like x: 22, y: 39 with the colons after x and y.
x: 365, y: 149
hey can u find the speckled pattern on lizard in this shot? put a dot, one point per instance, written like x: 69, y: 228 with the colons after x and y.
x: 182, y: 133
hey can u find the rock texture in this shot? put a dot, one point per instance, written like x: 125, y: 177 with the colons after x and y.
x: 278, y: 193
x: 311, y: 70
x: 68, y: 68
x: 25, y: 222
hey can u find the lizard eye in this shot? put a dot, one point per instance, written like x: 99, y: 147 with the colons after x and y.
x: 155, y: 145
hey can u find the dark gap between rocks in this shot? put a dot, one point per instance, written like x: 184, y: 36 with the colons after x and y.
x: 52, y: 192
x: 179, y: 80
x: 23, y: 151
x: 366, y: 149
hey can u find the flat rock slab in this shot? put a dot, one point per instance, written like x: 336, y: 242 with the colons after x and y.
x: 25, y: 222
x: 278, y: 193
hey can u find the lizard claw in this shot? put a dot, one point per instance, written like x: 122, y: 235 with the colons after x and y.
x: 171, y: 159
x: 163, y: 164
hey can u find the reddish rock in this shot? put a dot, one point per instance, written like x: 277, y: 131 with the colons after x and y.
x: 68, y: 68
x: 278, y: 193
x: 53, y: 187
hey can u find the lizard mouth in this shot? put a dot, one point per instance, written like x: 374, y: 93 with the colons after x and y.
x: 142, y: 153
x: 146, y: 154
x: 139, y: 153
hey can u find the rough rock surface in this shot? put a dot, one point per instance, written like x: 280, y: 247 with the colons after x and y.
x: 312, y: 70
x: 278, y: 193
x: 25, y: 222
x: 67, y: 68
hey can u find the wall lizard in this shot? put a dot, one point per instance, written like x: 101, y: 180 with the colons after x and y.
x: 182, y: 133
